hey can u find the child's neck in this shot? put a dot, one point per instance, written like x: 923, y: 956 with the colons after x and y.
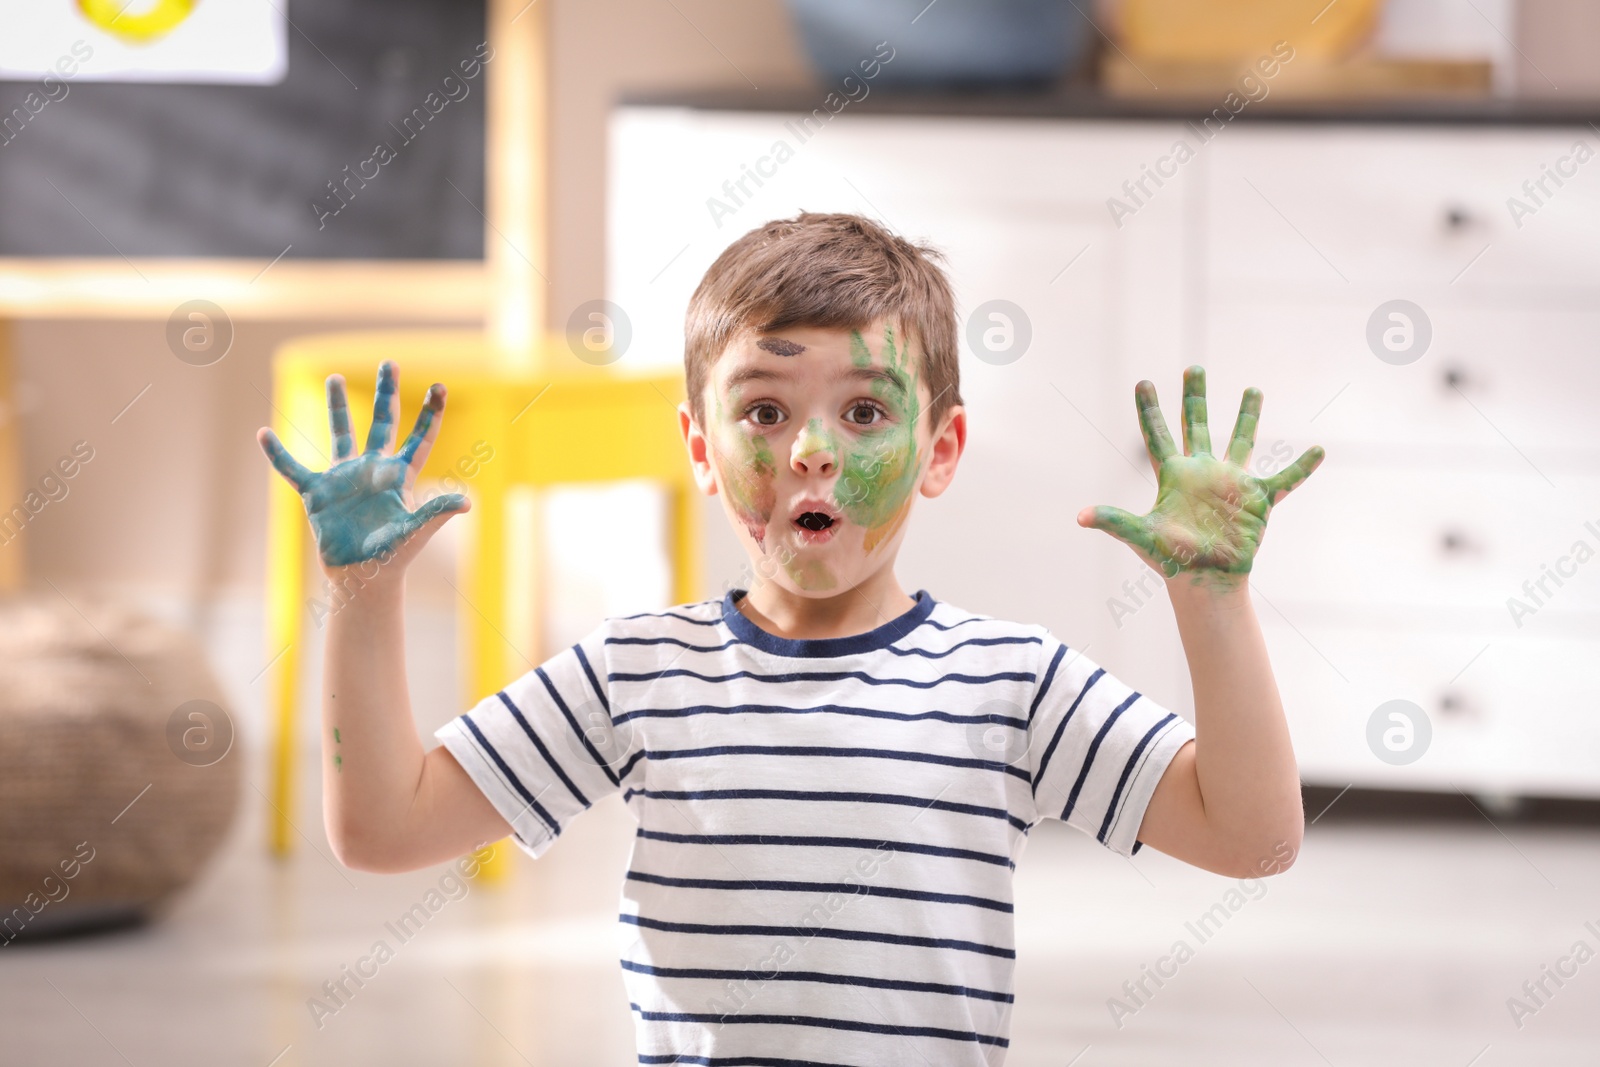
x: 876, y: 601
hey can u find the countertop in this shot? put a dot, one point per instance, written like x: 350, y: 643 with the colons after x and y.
x: 1090, y: 104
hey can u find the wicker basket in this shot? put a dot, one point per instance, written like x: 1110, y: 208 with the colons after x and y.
x: 89, y: 717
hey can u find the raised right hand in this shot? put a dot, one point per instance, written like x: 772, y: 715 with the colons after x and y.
x: 360, y: 508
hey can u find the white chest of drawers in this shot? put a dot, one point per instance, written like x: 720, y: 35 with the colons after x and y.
x: 1450, y: 481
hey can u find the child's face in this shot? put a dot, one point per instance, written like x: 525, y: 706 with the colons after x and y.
x: 818, y: 440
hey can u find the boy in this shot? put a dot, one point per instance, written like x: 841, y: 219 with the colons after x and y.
x: 832, y: 778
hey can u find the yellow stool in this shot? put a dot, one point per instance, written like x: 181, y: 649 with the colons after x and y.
x: 571, y: 423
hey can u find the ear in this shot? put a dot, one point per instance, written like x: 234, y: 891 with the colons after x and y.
x: 694, y: 439
x: 944, y: 451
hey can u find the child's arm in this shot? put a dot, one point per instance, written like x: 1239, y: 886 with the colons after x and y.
x: 1230, y: 800
x: 387, y: 805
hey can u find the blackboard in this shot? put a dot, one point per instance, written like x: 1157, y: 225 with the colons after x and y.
x: 117, y: 169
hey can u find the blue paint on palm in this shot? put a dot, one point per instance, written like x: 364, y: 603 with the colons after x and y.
x: 357, y: 507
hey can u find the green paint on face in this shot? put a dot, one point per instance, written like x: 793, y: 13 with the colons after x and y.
x: 748, y: 472
x: 818, y: 438
x: 336, y: 737
x: 811, y: 575
x: 879, y: 470
x: 338, y: 762
x: 860, y: 354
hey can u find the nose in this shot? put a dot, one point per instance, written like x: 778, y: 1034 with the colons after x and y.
x: 813, y: 451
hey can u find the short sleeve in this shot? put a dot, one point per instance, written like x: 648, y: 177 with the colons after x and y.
x: 540, y: 748
x: 1097, y: 747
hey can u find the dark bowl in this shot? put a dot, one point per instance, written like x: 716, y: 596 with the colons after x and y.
x: 948, y: 44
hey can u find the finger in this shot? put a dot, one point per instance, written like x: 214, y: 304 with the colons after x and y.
x: 1125, y: 526
x: 416, y: 447
x: 382, y: 543
x: 1244, y: 428
x: 1196, y: 433
x: 344, y: 444
x: 434, y: 514
x: 286, y: 465
x: 1284, y: 481
x: 385, y: 407
x: 1156, y: 438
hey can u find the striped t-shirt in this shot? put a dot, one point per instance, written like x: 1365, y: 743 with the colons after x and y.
x: 827, y: 828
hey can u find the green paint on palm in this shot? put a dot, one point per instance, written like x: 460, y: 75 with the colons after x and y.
x: 1210, y: 514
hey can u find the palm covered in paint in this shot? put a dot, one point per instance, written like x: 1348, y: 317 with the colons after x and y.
x: 359, y: 507
x: 1210, y: 513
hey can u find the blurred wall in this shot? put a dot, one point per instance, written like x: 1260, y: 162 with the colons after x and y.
x: 173, y: 505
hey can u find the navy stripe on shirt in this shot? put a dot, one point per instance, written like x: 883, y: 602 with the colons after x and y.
x: 865, y: 981
x: 822, y: 676
x: 516, y: 713
x: 831, y: 709
x: 923, y: 652
x: 573, y: 722
x: 511, y: 776
x: 1049, y: 676
x: 826, y: 796
x: 732, y: 1061
x: 1127, y: 770
x: 722, y: 930
x: 830, y: 842
x: 594, y: 682
x: 812, y: 1020
x: 1061, y: 728
x: 959, y: 645
x: 941, y: 626
x: 837, y: 753
x: 674, y: 615
x: 1094, y: 747
x: 856, y: 889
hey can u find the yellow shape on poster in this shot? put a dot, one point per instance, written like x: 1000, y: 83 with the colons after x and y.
x: 161, y: 18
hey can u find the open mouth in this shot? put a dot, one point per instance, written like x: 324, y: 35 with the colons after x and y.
x: 814, y: 521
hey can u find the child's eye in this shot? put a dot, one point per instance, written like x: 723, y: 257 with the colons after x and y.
x: 764, y: 414
x: 862, y: 413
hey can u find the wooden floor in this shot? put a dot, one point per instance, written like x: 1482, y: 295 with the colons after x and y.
x: 1386, y: 944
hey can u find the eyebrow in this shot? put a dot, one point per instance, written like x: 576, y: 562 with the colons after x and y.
x: 755, y: 374
x: 877, y: 374
x: 894, y: 379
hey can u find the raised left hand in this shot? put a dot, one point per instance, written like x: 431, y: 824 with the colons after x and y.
x: 1210, y: 514
x: 360, y: 507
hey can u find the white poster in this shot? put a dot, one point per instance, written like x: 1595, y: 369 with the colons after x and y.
x: 228, y: 41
